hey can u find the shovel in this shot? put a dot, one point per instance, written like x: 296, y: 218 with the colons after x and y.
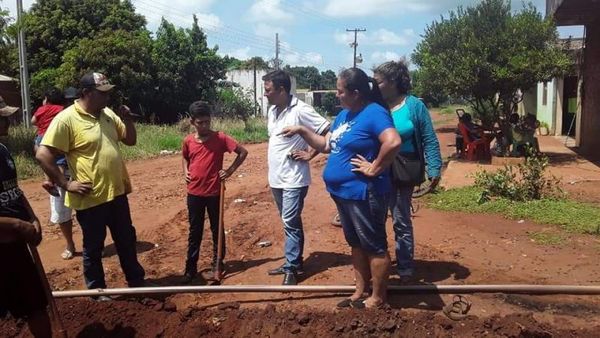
x: 57, y: 324
x: 218, y: 272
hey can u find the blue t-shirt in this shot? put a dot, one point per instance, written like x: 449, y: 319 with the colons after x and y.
x: 405, y: 128
x: 352, y: 134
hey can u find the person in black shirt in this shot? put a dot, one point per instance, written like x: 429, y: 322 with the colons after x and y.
x: 21, y: 290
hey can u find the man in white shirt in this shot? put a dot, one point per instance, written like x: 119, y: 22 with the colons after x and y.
x: 289, y: 171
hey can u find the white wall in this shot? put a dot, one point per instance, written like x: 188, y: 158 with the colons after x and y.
x: 245, y: 78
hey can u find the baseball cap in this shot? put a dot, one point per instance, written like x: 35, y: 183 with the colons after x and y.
x: 95, y: 80
x: 6, y: 110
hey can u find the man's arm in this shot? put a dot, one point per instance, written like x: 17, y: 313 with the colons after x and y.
x: 239, y: 159
x: 130, y: 137
x: 46, y: 156
x: 186, y: 173
x: 12, y: 229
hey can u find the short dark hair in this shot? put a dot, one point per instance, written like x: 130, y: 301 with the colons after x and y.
x: 199, y: 109
x: 54, y: 96
x: 397, y: 72
x: 279, y: 78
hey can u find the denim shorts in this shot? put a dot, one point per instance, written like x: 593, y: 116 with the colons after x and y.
x: 363, y: 222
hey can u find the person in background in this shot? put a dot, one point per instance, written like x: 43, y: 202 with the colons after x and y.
x: 413, y: 123
x: 59, y: 213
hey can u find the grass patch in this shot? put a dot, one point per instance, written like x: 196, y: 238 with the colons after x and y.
x: 451, y: 109
x: 545, y: 238
x: 151, y: 139
x: 569, y: 215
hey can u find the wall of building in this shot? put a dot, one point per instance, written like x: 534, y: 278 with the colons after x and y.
x: 245, y: 78
x: 590, y: 117
x: 546, y: 103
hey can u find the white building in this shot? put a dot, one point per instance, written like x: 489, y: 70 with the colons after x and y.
x: 252, y: 82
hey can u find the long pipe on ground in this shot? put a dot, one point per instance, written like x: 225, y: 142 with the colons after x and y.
x: 404, y: 289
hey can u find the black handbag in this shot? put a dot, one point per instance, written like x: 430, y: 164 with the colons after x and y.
x: 408, y: 169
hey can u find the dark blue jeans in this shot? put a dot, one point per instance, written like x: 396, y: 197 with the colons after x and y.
x: 197, y: 207
x: 400, y: 201
x: 290, y: 203
x: 116, y: 215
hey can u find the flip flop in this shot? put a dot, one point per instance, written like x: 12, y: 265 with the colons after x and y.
x: 458, y: 309
x: 67, y: 254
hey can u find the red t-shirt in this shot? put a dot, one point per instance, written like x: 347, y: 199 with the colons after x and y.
x: 44, y: 115
x: 205, y: 159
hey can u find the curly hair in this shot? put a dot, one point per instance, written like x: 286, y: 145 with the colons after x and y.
x: 396, y: 72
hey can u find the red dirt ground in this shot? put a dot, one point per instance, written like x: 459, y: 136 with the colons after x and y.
x: 452, y: 248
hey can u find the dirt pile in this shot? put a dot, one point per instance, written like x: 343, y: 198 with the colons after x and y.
x: 154, y: 318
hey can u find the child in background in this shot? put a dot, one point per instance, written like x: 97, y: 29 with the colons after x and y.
x: 203, y: 172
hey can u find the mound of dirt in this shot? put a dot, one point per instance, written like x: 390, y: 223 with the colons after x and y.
x: 154, y: 318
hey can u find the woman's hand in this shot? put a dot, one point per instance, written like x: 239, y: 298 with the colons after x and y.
x: 361, y: 165
x: 290, y: 131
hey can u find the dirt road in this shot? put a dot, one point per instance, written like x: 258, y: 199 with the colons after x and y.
x: 452, y: 248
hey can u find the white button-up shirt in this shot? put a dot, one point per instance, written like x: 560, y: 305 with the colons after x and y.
x: 284, y: 172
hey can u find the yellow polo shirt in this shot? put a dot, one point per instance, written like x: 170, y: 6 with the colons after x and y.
x: 93, y: 153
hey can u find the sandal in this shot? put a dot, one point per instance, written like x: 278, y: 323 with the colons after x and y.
x: 67, y: 254
x: 348, y: 302
x: 458, y: 309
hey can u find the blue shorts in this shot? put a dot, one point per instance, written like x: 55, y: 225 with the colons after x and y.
x: 60, y: 160
x: 363, y: 222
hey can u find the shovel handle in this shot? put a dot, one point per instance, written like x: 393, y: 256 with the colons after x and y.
x: 58, y: 325
x: 218, y: 275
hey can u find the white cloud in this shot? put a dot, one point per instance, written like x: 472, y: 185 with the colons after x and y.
x: 381, y: 57
x: 363, y: 8
x: 268, y: 31
x: 380, y: 37
x: 268, y: 11
x: 240, y: 53
x: 209, y: 21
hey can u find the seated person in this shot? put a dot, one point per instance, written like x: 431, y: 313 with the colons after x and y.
x: 523, y: 134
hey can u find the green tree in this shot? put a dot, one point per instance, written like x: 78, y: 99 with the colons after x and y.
x: 55, y: 27
x: 486, y: 53
x: 329, y: 102
x: 8, y: 47
x: 306, y: 77
x: 124, y: 56
x: 186, y: 69
x: 328, y: 80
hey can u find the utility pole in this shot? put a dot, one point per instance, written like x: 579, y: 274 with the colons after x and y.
x: 355, y: 44
x: 23, y: 71
x: 277, y: 62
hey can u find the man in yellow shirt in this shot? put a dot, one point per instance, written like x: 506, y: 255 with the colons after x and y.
x: 88, y: 134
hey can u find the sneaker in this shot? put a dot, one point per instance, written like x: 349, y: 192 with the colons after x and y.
x: 102, y: 299
x: 282, y: 271
x: 188, y: 277
x: 289, y: 279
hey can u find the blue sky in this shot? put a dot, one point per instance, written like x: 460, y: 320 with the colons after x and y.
x: 312, y: 32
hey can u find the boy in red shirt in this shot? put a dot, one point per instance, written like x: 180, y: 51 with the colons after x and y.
x: 203, y: 171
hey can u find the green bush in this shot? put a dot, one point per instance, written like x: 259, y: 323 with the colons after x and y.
x: 527, y: 182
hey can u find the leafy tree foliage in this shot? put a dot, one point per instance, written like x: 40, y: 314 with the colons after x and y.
x: 486, y: 53
x: 187, y: 70
x: 328, y: 79
x: 8, y: 48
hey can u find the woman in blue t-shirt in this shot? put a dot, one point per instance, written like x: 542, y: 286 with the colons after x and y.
x: 362, y: 144
x: 413, y: 123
